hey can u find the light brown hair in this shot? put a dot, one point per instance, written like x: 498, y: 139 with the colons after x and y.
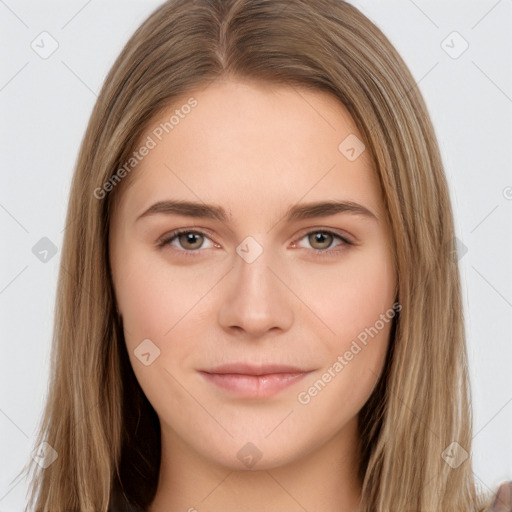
x: 97, y: 418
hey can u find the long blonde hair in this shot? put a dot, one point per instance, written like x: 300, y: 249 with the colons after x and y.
x: 97, y: 418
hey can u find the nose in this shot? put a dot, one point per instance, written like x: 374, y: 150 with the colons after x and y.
x: 256, y: 299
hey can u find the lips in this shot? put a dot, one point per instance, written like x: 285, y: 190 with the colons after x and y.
x: 253, y: 381
x: 249, y: 369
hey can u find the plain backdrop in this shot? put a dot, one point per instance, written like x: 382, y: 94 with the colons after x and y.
x: 459, y: 53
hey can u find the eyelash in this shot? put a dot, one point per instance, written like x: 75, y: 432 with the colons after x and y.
x: 167, y: 239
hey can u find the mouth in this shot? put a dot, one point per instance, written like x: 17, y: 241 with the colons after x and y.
x: 249, y: 381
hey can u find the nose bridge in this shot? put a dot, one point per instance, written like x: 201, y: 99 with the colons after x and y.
x: 253, y: 259
x: 255, y: 276
x: 256, y: 300
x: 255, y: 282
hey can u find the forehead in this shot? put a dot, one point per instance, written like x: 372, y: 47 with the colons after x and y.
x: 254, y: 144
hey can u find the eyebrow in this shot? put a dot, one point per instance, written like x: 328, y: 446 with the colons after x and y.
x: 294, y: 213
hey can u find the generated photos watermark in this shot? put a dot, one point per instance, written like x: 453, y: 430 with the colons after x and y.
x: 150, y: 143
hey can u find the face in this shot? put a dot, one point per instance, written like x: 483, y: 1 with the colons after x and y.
x: 258, y: 278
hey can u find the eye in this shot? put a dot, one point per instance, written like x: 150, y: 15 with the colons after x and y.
x: 185, y: 240
x: 190, y: 241
x: 321, y: 241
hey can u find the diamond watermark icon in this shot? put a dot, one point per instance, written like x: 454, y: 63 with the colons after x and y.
x: 45, y: 45
x: 249, y: 249
x: 44, y: 250
x: 454, y: 45
x: 351, y: 147
x: 44, y: 455
x: 454, y: 455
x: 460, y: 249
x: 146, y: 352
x: 249, y: 454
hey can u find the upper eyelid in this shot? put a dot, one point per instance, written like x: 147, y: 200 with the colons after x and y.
x: 336, y: 232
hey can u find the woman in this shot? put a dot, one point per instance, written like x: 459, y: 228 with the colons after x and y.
x: 307, y: 350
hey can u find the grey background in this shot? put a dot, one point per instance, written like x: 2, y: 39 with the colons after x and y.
x: 45, y: 105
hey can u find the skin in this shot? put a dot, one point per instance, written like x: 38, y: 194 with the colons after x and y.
x: 255, y: 149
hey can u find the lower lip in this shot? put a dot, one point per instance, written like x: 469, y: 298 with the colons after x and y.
x: 254, y: 386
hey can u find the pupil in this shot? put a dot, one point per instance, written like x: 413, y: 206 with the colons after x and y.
x: 321, y: 238
x: 189, y: 238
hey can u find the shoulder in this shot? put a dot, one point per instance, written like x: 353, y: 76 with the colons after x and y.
x: 503, y: 500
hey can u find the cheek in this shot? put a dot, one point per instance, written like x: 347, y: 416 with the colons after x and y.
x: 155, y: 298
x: 351, y: 296
x: 162, y: 303
x: 355, y: 301
x: 158, y: 303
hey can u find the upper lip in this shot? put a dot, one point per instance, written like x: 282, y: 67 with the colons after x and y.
x: 249, y: 369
